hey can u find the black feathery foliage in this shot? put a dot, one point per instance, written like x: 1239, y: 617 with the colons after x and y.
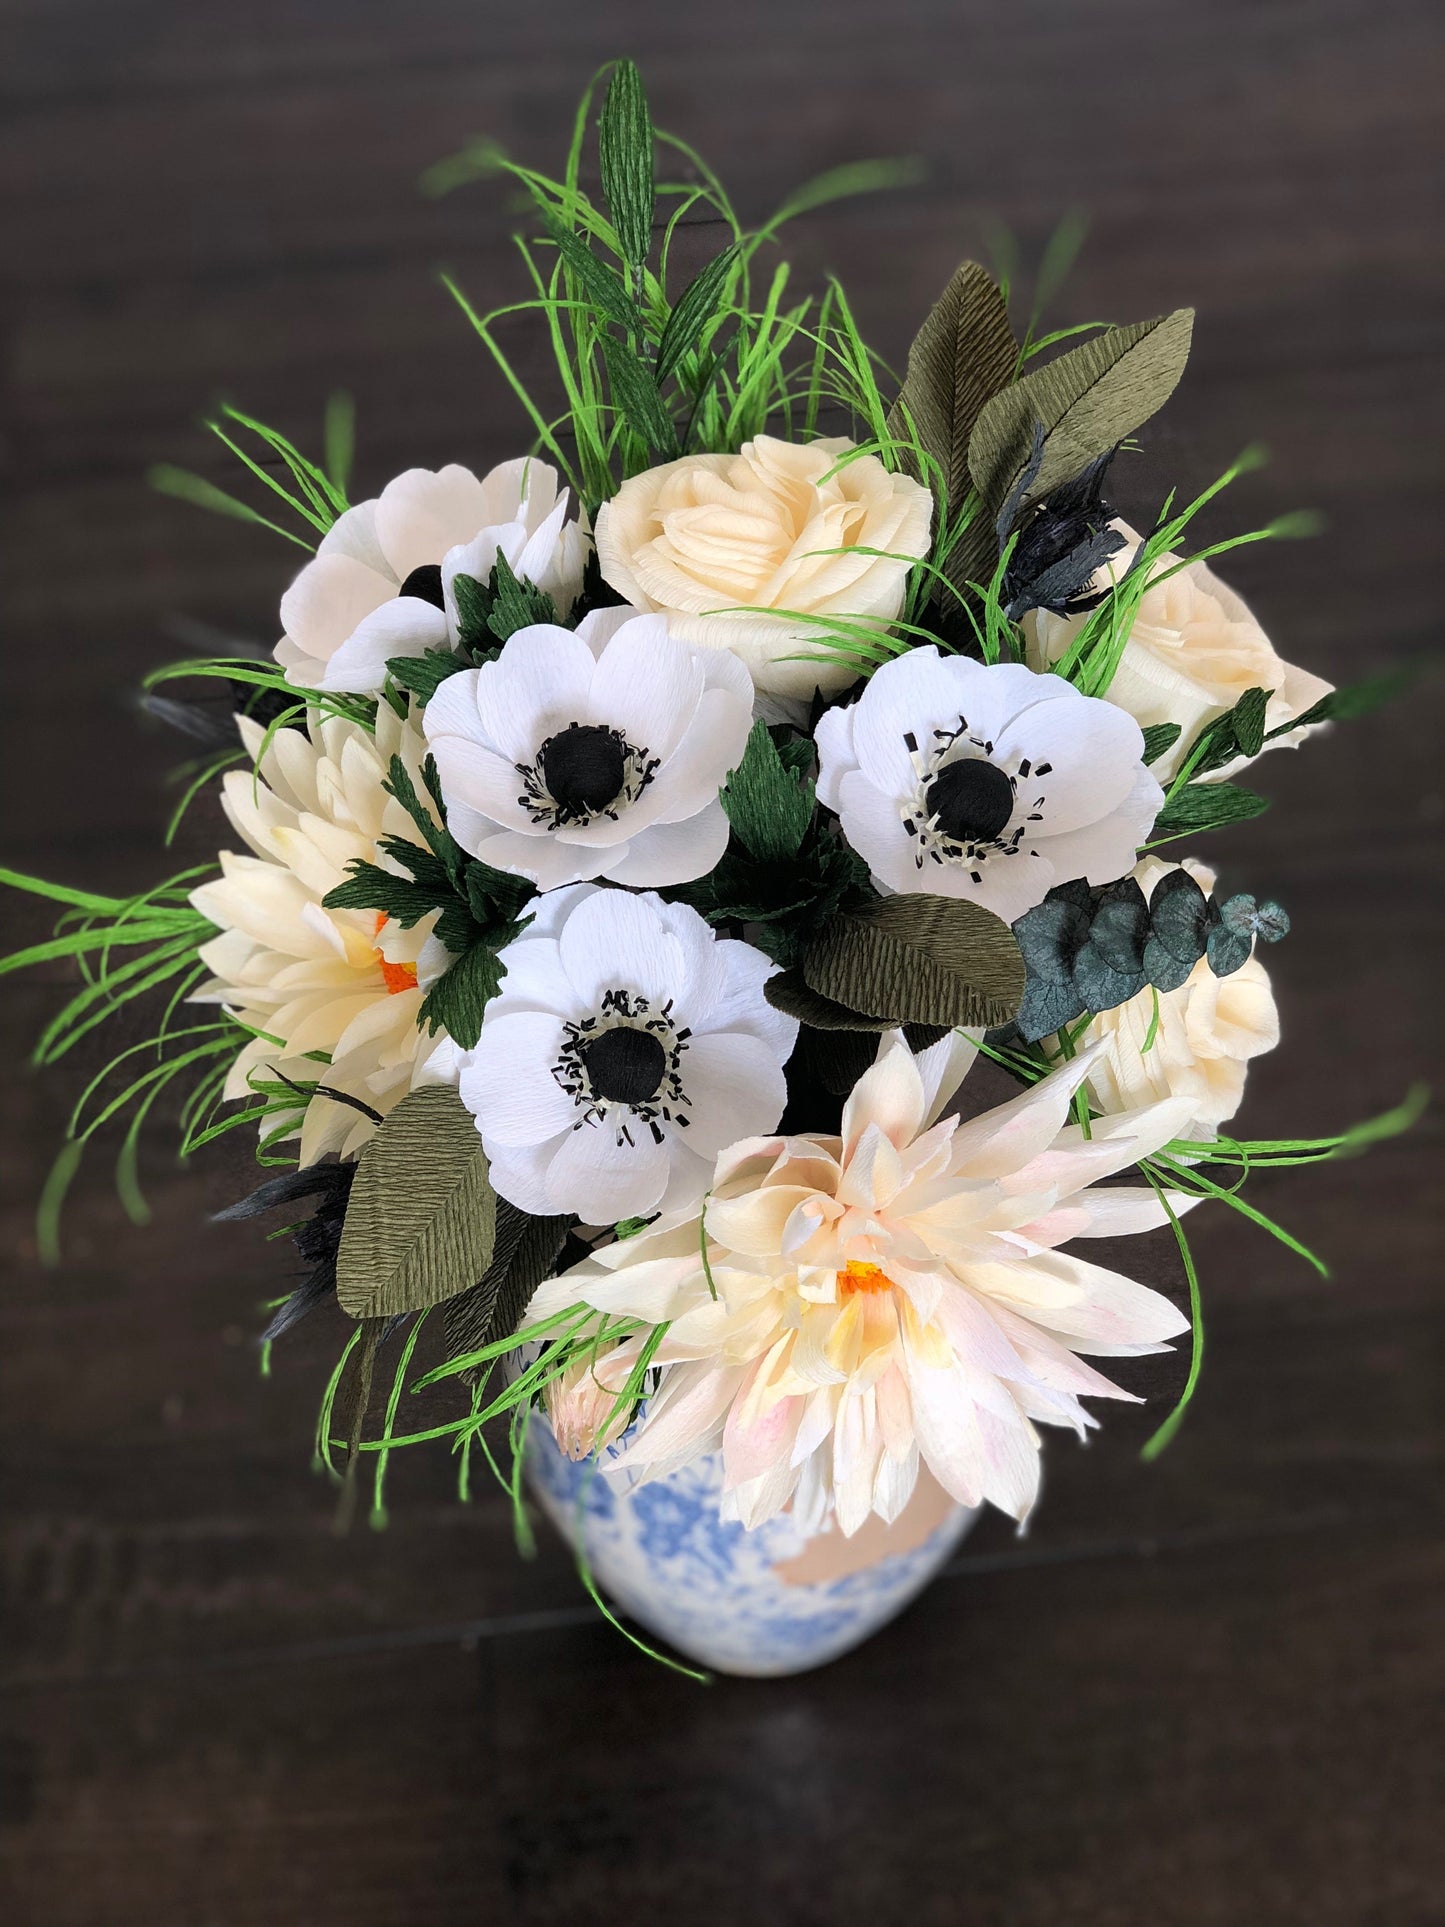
x: 1061, y: 543
x: 317, y: 1238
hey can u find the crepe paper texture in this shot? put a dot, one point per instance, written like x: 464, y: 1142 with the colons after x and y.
x: 633, y: 845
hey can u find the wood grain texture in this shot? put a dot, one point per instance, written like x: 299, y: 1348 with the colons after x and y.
x: 1204, y: 1692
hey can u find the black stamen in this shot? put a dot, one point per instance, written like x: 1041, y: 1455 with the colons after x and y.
x: 972, y: 800
x: 583, y: 767
x: 426, y: 583
x: 624, y: 1066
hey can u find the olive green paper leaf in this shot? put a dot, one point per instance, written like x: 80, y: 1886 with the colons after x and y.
x: 624, y: 151
x: 789, y: 993
x: 919, y: 960
x: 526, y: 1250
x: 1088, y: 401
x: 421, y: 1221
x: 964, y: 353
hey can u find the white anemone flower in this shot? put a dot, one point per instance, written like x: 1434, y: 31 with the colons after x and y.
x: 380, y: 584
x: 348, y: 984
x: 990, y: 783
x: 842, y: 1308
x: 594, y: 753
x: 626, y: 1047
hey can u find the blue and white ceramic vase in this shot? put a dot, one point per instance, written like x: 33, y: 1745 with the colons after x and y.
x: 769, y: 1601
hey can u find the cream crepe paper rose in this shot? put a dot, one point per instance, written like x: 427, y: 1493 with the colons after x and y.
x: 1193, y: 650
x: 719, y: 542
x: 1209, y: 1029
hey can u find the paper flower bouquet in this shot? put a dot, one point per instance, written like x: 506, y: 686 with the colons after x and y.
x: 634, y: 845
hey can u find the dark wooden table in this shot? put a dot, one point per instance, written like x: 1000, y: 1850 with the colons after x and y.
x: 1203, y: 1691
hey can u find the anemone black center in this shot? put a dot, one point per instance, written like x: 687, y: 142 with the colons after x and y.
x: 426, y: 582
x: 971, y: 799
x: 624, y: 1065
x: 583, y: 767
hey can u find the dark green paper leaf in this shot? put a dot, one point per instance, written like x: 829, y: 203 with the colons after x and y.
x: 369, y: 887
x: 1088, y: 401
x: 515, y: 604
x: 695, y: 307
x: 525, y: 1251
x: 769, y: 809
x: 424, y: 675
x: 421, y: 1220
x: 602, y: 286
x: 919, y: 959
x: 638, y: 397
x: 1207, y: 806
x: 1354, y: 699
x: 625, y: 154
x: 788, y: 993
x: 455, y: 1002
x: 474, y: 606
x: 1158, y: 738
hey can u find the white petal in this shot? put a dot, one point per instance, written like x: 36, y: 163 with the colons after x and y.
x: 735, y: 1087
x: 671, y: 852
x: 508, y: 1084
x: 423, y: 513
x: 539, y: 684
x: 648, y: 685
x: 405, y: 626
x: 326, y: 601
x: 613, y: 941
x: 603, y: 1179
x: 1004, y: 1139
x: 1094, y: 751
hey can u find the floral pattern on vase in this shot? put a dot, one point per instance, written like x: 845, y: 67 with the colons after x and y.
x: 766, y: 1602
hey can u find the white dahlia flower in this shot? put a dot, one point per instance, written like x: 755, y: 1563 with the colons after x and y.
x: 347, y: 984
x: 994, y: 784
x: 890, y: 1295
x: 594, y: 753
x: 626, y: 1047
x: 380, y: 584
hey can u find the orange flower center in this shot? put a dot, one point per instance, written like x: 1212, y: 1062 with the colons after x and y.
x: 860, y: 1277
x: 396, y: 977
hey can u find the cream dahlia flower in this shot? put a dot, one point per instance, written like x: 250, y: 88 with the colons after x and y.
x: 347, y: 984
x: 380, y: 584
x: 890, y: 1295
x: 1194, y: 648
x: 1207, y: 1032
x: 718, y: 542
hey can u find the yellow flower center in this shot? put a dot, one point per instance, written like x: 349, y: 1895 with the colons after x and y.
x: 861, y: 1277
